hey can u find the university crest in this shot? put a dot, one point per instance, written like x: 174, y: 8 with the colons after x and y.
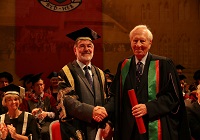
x: 60, y: 5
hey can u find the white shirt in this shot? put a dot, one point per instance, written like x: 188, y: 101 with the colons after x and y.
x: 143, y: 61
x: 83, y: 65
x: 50, y: 114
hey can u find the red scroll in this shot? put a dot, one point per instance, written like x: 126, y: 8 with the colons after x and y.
x: 139, y: 121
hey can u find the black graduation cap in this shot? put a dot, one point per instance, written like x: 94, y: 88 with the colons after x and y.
x: 36, y: 78
x: 182, y: 77
x: 180, y: 67
x: 13, y: 90
x: 111, y: 76
x: 107, y: 71
x: 7, y: 75
x: 84, y: 33
x: 26, y: 78
x: 52, y: 74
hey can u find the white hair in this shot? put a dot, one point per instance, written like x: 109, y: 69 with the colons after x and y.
x: 150, y: 35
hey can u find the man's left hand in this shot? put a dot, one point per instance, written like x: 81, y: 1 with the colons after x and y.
x: 139, y: 110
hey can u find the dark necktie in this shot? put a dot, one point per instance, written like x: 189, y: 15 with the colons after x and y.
x: 40, y: 102
x: 138, y: 74
x: 88, y: 76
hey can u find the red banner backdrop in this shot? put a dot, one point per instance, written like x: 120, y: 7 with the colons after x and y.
x: 41, y: 28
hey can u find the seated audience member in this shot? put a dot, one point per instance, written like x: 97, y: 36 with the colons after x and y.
x: 179, y: 69
x: 27, y: 84
x: 53, y: 88
x: 184, y: 86
x: 196, y: 77
x: 193, y: 112
x: 5, y: 79
x: 16, y: 124
x: 193, y: 96
x: 42, y: 105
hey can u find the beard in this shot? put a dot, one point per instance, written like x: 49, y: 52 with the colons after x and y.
x: 86, y: 57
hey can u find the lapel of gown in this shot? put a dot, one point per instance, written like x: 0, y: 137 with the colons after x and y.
x: 82, y: 76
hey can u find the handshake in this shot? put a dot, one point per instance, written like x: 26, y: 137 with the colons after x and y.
x: 99, y: 113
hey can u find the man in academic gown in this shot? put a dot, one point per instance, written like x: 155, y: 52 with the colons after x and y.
x: 86, y: 110
x: 42, y: 105
x: 158, y: 92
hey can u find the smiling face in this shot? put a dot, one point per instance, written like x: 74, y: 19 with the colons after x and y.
x: 84, y: 51
x: 12, y: 102
x: 54, y: 81
x: 38, y: 87
x: 140, y: 42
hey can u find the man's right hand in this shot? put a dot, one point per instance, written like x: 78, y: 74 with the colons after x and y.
x: 99, y: 113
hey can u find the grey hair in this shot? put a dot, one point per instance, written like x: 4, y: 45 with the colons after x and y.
x: 77, y: 41
x: 150, y: 35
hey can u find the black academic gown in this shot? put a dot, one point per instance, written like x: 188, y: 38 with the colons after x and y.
x: 31, y: 128
x: 169, y: 105
x: 81, y: 109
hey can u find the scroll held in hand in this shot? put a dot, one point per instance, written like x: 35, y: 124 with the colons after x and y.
x: 139, y: 121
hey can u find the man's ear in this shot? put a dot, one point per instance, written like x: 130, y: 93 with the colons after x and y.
x: 75, y: 49
x: 151, y: 41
